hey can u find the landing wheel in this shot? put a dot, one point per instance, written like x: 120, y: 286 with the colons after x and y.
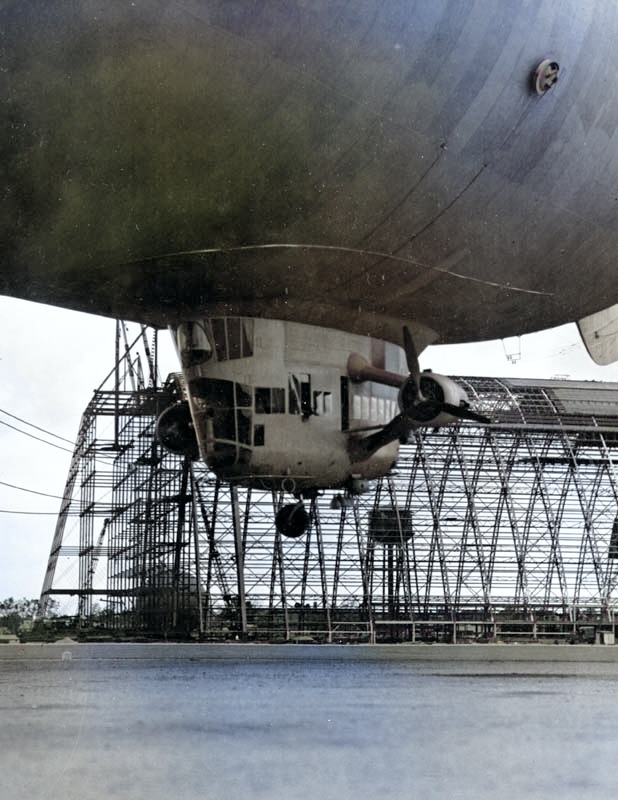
x: 292, y: 520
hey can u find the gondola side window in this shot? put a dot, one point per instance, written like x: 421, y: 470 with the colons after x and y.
x: 299, y: 394
x: 243, y: 426
x: 322, y: 403
x: 243, y: 395
x: 269, y: 400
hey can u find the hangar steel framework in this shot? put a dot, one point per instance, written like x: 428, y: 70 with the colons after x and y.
x: 499, y: 530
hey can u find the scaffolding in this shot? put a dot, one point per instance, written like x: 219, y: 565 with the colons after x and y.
x: 482, y: 532
x: 120, y: 532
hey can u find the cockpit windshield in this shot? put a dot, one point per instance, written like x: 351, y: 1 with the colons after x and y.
x: 193, y: 344
x: 227, y: 337
x: 233, y: 337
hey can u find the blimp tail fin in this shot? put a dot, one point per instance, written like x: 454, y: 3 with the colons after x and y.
x: 599, y: 333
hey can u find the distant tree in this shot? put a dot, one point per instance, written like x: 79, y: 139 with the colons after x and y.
x: 13, y: 613
x: 11, y: 623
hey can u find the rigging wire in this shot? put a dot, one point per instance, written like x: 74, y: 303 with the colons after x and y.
x: 38, y: 513
x: 31, y: 425
x: 38, y: 438
x: 31, y: 491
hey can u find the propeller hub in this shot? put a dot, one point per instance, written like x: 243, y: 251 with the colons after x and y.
x: 426, y: 410
x: 409, y: 396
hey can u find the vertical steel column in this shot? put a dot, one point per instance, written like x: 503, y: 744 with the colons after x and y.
x: 434, y: 498
x: 552, y: 518
x: 210, y: 550
x: 505, y: 472
x: 180, y: 542
x: 588, y: 540
x: 371, y: 563
x: 239, y: 552
x: 278, y: 572
x: 67, y: 498
x: 196, y: 549
x: 470, y: 485
x: 315, y: 518
x: 403, y: 562
x: 86, y: 526
x: 612, y: 564
x: 365, y: 556
x: 413, y: 463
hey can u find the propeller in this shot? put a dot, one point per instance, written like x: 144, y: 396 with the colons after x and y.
x: 422, y: 397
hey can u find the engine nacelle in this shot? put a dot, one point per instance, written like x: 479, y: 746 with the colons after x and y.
x: 436, y: 392
x: 175, y: 430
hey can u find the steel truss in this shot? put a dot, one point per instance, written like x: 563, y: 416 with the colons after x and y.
x: 480, y: 532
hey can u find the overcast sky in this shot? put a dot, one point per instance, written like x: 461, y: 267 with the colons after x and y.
x: 52, y: 360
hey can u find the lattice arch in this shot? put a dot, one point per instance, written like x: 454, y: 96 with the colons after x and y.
x: 515, y: 518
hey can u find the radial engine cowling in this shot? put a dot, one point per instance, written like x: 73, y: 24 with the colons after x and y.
x: 438, y: 393
x: 175, y: 431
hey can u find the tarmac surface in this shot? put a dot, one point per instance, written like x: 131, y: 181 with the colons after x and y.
x: 176, y: 721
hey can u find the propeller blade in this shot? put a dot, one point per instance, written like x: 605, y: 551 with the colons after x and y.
x: 464, y: 412
x: 411, y: 356
x: 397, y: 428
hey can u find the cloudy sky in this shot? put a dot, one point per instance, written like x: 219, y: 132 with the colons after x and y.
x: 52, y: 360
